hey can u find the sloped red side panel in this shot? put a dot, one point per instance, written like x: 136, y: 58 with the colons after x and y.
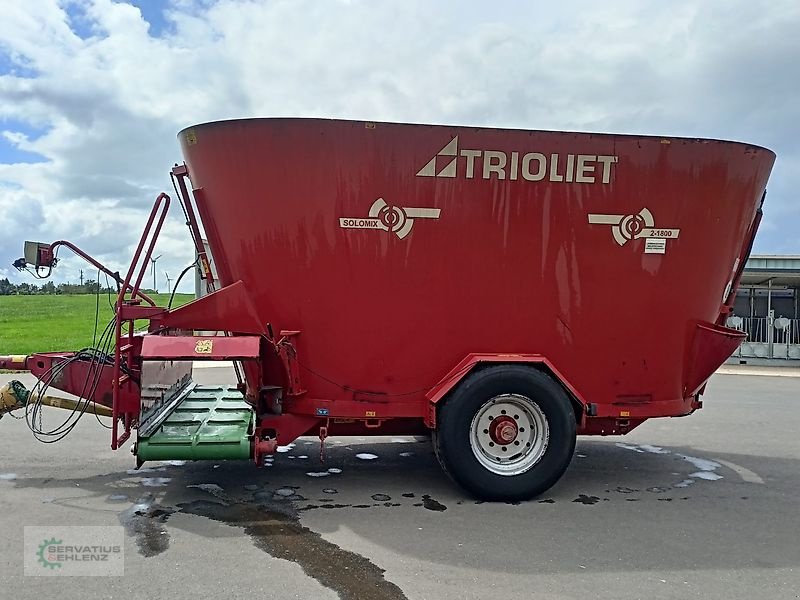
x: 227, y: 309
x: 711, y: 346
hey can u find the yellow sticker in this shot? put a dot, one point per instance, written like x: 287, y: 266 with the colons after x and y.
x: 191, y: 137
x: 370, y: 413
x: 203, y: 346
x: 624, y: 413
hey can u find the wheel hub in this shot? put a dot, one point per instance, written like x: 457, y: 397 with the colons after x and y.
x: 509, y: 434
x: 503, y: 430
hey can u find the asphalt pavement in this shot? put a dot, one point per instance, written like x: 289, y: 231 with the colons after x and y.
x: 703, y: 506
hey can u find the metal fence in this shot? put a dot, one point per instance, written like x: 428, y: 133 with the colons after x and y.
x: 768, y: 337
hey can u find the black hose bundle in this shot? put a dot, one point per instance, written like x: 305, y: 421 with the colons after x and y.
x: 99, y: 356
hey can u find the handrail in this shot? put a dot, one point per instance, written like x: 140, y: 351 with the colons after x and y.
x: 161, y: 204
x: 164, y: 200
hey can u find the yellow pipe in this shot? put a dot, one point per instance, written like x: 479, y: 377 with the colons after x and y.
x: 70, y: 404
x: 10, y: 401
x: 14, y: 362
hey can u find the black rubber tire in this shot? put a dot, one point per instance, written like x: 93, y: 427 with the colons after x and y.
x: 451, y: 438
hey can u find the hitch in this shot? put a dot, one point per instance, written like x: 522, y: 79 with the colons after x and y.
x: 13, y: 395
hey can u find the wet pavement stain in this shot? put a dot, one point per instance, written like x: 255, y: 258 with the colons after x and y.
x: 408, y: 495
x: 328, y: 506
x: 547, y: 501
x: 280, y: 535
x: 381, y: 497
x: 328, y: 503
x: 281, y: 495
x: 145, y: 522
x: 432, y: 504
x: 584, y: 499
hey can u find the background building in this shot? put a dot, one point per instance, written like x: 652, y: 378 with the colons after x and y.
x: 768, y: 309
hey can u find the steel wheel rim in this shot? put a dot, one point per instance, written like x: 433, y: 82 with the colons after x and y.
x: 493, y: 426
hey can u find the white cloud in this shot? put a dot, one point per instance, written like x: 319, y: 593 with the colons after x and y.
x: 112, y: 99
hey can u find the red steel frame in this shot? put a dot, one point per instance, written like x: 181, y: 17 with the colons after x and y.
x: 180, y: 173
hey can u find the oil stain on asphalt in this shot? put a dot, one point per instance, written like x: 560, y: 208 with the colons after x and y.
x: 432, y: 504
x: 272, y: 523
x: 144, y: 521
x: 279, y: 534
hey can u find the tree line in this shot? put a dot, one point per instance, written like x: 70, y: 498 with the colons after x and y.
x: 90, y: 286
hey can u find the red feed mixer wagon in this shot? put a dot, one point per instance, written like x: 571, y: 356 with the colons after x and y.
x: 504, y: 290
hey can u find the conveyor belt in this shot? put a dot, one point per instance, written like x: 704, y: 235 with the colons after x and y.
x: 211, y: 422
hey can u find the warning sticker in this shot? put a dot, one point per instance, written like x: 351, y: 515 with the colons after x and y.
x: 655, y: 246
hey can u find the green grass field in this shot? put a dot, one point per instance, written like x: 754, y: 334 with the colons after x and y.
x: 48, y: 323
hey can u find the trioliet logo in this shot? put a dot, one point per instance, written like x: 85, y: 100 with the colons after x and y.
x: 528, y: 166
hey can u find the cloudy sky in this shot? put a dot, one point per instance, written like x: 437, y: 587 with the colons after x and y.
x: 92, y: 93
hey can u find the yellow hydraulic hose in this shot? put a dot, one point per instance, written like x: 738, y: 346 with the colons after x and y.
x: 13, y: 395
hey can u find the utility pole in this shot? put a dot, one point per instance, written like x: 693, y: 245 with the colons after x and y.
x: 81, y: 277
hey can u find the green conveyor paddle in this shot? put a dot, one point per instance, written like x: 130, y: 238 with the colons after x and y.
x: 210, y: 423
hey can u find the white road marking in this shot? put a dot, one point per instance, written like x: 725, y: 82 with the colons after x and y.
x: 701, y: 463
x: 743, y: 472
x: 629, y: 447
x: 707, y: 475
x: 653, y: 449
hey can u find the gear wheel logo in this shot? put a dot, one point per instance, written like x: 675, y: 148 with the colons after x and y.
x: 625, y: 228
x: 386, y: 217
x: 45, y: 558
